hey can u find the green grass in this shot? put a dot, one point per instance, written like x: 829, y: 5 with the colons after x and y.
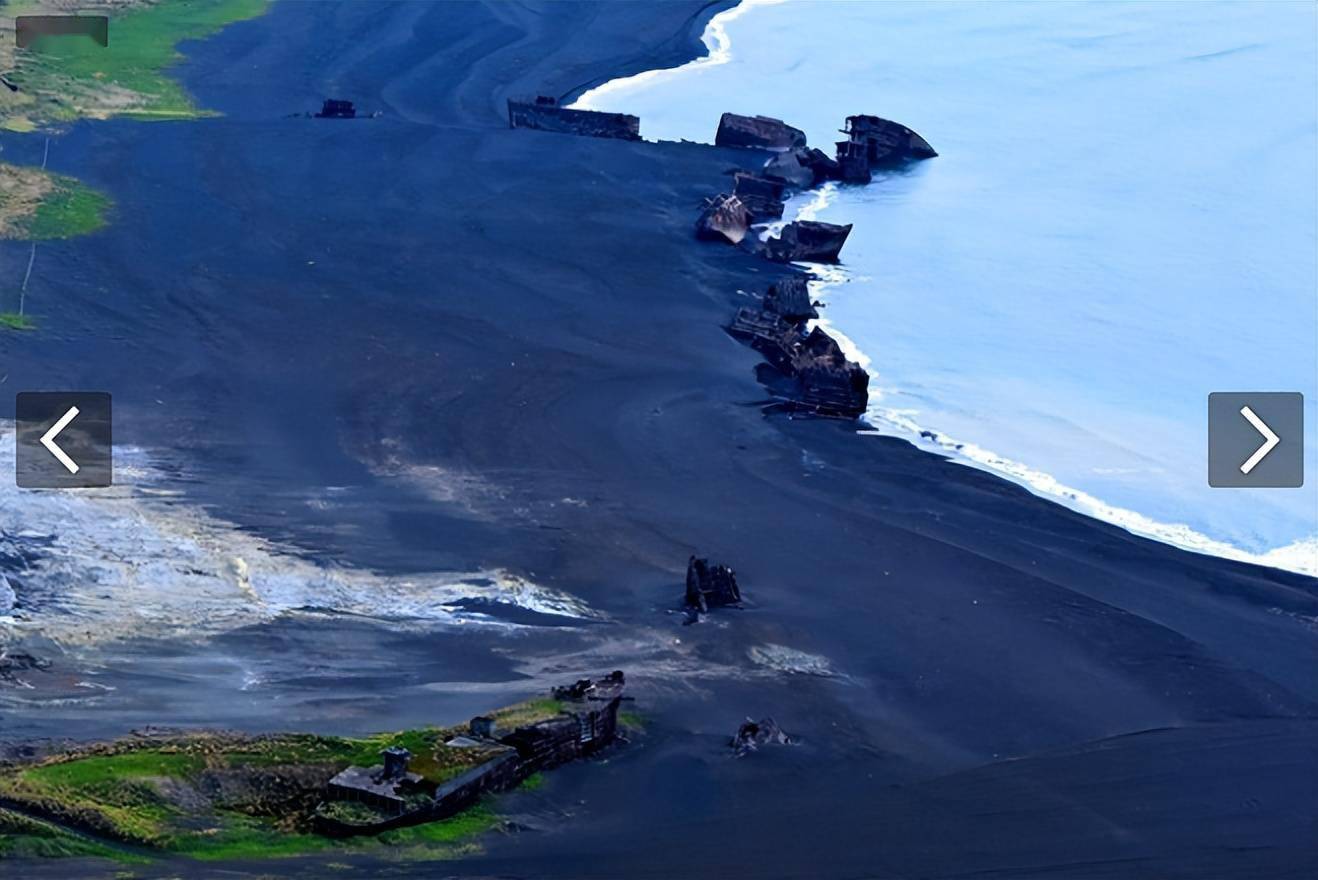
x: 631, y: 720
x: 142, y: 46
x: 534, y: 782
x: 15, y: 321
x: 24, y: 837
x: 455, y: 829
x: 243, y: 837
x: 70, y: 208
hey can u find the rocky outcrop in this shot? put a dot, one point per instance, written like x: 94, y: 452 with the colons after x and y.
x: 763, y: 132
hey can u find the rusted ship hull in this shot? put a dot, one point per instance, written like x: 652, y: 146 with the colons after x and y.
x: 545, y: 114
x: 808, y: 241
x: 724, y: 218
x: 761, y: 132
x: 885, y: 142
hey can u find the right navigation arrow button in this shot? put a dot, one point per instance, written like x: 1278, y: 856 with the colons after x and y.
x: 1270, y: 440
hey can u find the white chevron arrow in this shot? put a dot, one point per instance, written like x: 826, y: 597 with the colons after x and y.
x: 48, y: 440
x: 1270, y: 440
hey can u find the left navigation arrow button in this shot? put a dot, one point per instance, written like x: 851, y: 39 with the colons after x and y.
x: 48, y: 440
x: 63, y: 440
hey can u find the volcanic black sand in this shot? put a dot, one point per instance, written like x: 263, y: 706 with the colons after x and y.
x: 505, y: 347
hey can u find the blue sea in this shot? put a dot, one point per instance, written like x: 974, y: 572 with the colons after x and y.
x: 1123, y: 219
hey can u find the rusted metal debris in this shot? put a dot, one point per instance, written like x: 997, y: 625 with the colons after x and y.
x: 789, y: 296
x: 710, y: 585
x: 544, y: 113
x: 724, y: 218
x: 808, y: 241
x: 762, y: 196
x: 814, y: 373
x: 763, y: 132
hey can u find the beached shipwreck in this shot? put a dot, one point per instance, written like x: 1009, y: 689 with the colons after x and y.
x: 809, y: 371
x: 369, y: 800
x: 546, y: 114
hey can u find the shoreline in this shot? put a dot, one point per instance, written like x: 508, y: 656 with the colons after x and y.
x: 898, y: 604
x: 1298, y: 557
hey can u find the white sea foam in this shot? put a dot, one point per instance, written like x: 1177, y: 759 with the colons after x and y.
x: 1300, y: 557
x: 716, y: 40
x: 131, y: 560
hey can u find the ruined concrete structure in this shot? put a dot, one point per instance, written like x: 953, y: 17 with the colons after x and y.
x: 710, y: 585
x: 544, y: 113
x: 386, y: 787
x: 763, y: 132
x: 587, y: 723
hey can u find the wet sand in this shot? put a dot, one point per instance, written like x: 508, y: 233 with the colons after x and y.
x: 505, y: 347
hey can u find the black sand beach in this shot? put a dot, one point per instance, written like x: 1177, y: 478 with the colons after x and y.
x: 505, y: 347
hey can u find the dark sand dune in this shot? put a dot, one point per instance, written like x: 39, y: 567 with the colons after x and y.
x: 1016, y: 690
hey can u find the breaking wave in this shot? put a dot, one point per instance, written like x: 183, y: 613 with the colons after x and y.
x: 136, y: 560
x: 1300, y: 557
x: 715, y: 38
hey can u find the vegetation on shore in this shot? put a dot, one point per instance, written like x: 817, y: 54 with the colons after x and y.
x: 64, y: 78
x: 36, y: 205
x: 15, y: 321
x: 215, y: 796
x: 60, y: 79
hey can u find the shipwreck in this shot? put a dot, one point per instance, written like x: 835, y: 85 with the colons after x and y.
x: 763, y: 132
x: 724, y: 218
x: 710, y: 585
x: 808, y: 241
x: 544, y: 113
x: 388, y: 795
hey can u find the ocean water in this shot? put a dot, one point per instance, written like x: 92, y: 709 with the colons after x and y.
x: 1123, y: 219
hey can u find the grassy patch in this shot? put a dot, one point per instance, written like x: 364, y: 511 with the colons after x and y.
x: 243, y: 837
x: 631, y: 720
x: 71, y: 77
x: 24, y: 837
x: 455, y: 829
x: 15, y: 321
x: 528, y: 712
x: 70, y: 208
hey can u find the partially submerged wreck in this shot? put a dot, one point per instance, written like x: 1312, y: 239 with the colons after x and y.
x: 808, y: 241
x: 544, y: 113
x: 763, y: 132
x: 812, y: 373
x: 710, y: 585
x: 886, y: 142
